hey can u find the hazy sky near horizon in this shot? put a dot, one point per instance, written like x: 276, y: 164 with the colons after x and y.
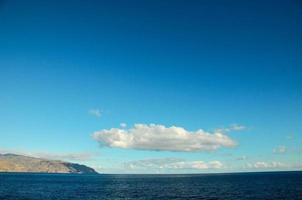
x: 153, y: 86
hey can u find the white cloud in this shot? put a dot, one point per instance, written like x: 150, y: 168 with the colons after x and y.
x: 78, y: 156
x: 123, y: 125
x: 280, y: 149
x: 64, y: 157
x: 161, y: 138
x: 95, y: 112
x: 233, y: 127
x: 266, y: 165
x: 289, y: 137
x: 172, y: 164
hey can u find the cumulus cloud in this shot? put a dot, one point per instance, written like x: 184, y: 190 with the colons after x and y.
x: 95, y: 112
x: 161, y: 138
x: 280, y: 149
x: 172, y: 164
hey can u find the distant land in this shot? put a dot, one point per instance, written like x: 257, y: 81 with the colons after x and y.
x: 20, y: 163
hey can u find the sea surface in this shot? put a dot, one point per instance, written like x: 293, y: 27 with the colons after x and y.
x: 272, y: 185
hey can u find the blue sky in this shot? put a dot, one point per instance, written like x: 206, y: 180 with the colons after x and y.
x: 71, y: 70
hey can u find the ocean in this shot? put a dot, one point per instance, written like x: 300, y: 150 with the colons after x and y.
x: 262, y: 186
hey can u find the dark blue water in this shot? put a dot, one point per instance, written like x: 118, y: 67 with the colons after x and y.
x: 277, y: 185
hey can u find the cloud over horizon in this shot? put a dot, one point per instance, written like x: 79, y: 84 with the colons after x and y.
x: 172, y: 164
x: 72, y: 156
x: 65, y: 156
x: 160, y: 138
x: 266, y: 165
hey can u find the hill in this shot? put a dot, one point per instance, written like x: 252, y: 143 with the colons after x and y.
x: 20, y: 163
